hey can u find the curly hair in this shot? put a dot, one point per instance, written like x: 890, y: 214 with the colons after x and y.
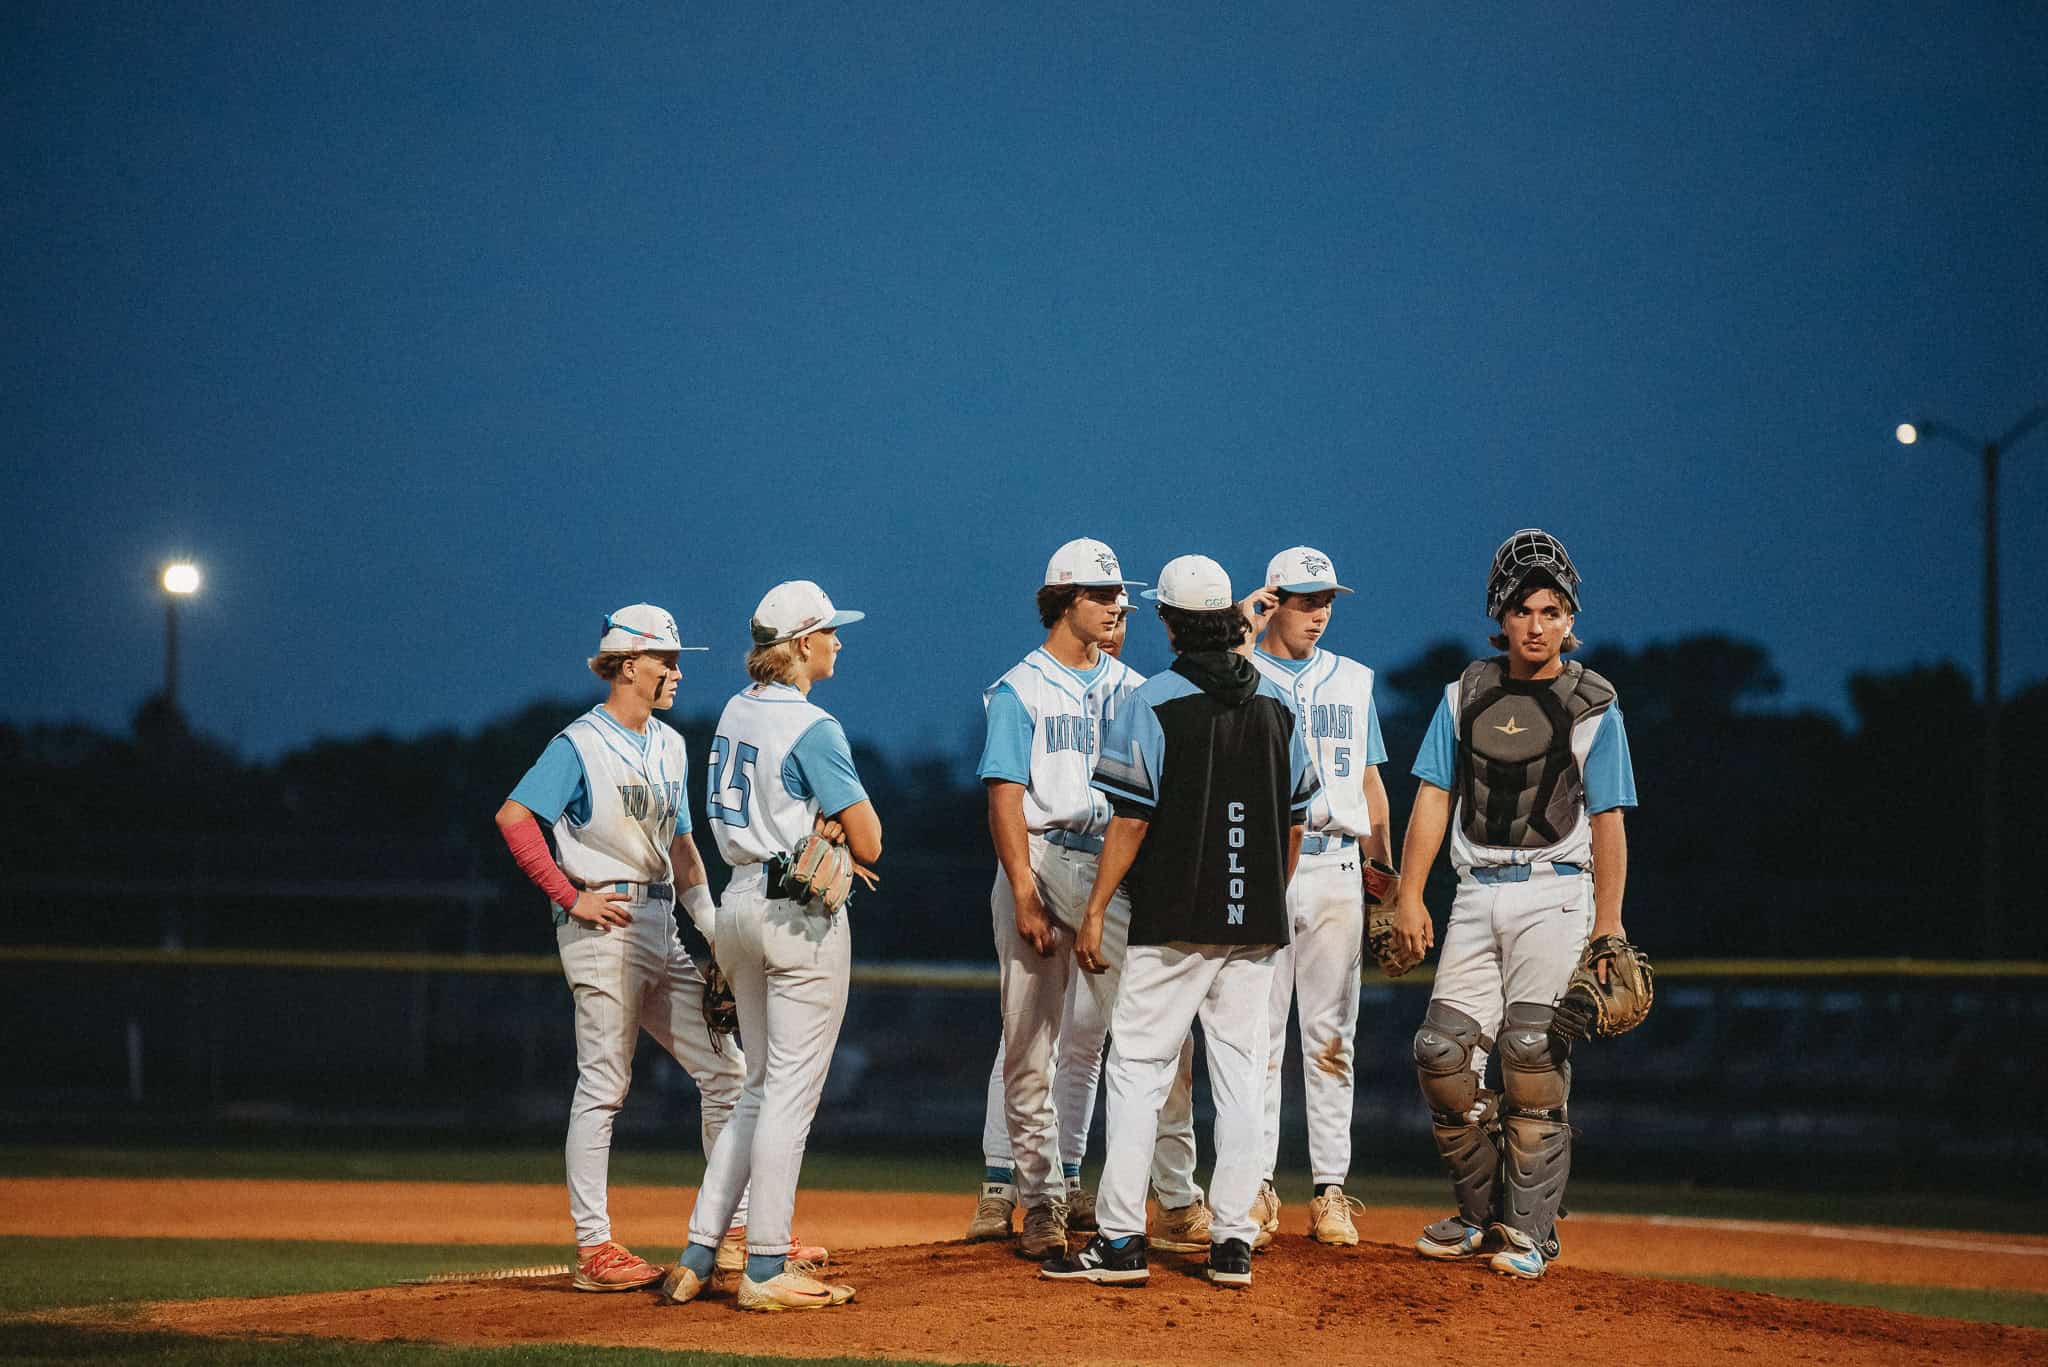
x: 1053, y: 602
x: 1216, y: 629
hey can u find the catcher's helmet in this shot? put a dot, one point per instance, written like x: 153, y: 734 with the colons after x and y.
x: 1529, y: 553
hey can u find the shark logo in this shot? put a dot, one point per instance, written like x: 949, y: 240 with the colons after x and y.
x: 1315, y: 565
x: 1511, y: 729
x: 1107, y: 561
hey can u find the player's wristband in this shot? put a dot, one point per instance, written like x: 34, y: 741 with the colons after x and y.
x: 530, y: 851
x: 696, y: 900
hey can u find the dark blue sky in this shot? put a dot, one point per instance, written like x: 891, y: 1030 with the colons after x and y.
x: 434, y: 331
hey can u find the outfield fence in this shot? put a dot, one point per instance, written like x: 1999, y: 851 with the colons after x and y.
x: 1916, y: 1071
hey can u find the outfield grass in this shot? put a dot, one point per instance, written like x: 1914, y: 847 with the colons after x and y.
x: 53, y: 1345
x: 2024, y: 1308
x: 922, y: 1171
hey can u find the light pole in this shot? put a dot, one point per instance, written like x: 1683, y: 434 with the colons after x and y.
x: 1908, y: 433
x: 180, y: 579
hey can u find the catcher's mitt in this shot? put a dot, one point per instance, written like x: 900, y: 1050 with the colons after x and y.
x: 1591, y: 1008
x: 821, y: 873
x: 1382, y: 887
x: 721, y: 1012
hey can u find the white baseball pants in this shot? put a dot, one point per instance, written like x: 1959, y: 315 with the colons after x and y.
x: 625, y: 980
x: 1318, y: 972
x: 789, y: 969
x: 1165, y: 989
x: 1512, y: 942
x: 1034, y: 1002
x: 1076, y: 1074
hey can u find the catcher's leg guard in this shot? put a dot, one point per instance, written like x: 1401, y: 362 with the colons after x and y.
x: 1536, y: 1078
x: 1464, y: 1116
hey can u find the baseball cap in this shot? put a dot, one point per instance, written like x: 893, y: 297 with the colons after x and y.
x: 641, y: 626
x: 794, y: 608
x: 1193, y: 583
x: 1302, y: 569
x: 1087, y: 563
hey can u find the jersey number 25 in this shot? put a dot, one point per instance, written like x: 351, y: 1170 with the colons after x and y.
x: 734, y: 780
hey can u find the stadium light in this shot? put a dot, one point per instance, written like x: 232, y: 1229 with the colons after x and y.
x: 1908, y: 433
x: 179, y: 579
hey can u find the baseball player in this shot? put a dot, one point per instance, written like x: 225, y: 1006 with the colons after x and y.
x: 611, y: 785
x: 1526, y: 763
x: 1209, y: 783
x: 1319, y: 968
x: 1044, y: 719
x: 780, y: 768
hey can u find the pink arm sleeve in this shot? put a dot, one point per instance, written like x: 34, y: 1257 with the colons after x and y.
x: 530, y: 851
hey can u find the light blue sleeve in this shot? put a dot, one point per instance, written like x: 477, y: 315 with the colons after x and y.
x: 1133, y: 751
x: 555, y: 784
x: 1438, y: 759
x: 1305, y: 783
x: 1006, y: 754
x: 1610, y: 777
x: 820, y: 765
x: 1375, y: 743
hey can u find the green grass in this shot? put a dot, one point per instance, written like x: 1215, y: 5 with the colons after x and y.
x: 2028, y: 1309
x: 42, y: 1274
x: 53, y: 1345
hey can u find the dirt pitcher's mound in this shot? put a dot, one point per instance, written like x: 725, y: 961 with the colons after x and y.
x: 959, y: 1303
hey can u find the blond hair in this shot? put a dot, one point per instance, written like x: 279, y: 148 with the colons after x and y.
x: 606, y: 664
x: 774, y: 664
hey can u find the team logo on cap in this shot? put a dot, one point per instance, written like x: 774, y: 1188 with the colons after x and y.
x: 1315, y: 565
x: 1107, y: 561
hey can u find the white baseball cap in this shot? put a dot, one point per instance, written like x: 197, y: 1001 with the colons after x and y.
x: 1194, y: 583
x: 1302, y: 569
x: 794, y: 608
x: 641, y: 626
x: 1087, y: 563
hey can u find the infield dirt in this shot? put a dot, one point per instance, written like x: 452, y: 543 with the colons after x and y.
x: 922, y: 1296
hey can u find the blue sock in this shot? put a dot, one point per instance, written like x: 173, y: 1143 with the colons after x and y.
x: 762, y: 1266
x: 993, y: 1173
x: 700, y: 1258
x: 1123, y: 1243
x: 1072, y: 1170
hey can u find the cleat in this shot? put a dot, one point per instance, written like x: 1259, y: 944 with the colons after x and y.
x: 1266, y: 1210
x: 993, y: 1213
x: 1453, y: 1238
x: 612, y: 1267
x: 1080, y: 1206
x: 680, y: 1286
x: 1230, y: 1263
x: 1522, y: 1256
x: 793, y: 1288
x: 1329, y: 1219
x: 1182, y: 1229
x: 732, y: 1251
x: 1099, y: 1261
x: 1045, y: 1230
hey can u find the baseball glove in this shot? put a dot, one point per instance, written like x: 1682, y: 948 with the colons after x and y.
x: 721, y: 1012
x: 1382, y: 887
x: 1591, y: 1008
x: 822, y: 873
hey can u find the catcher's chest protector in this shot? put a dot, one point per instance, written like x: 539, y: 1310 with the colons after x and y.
x: 1519, y: 785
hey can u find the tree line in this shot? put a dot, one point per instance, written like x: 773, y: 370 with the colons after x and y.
x: 1763, y: 831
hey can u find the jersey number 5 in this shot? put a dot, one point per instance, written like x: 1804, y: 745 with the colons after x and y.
x: 734, y: 780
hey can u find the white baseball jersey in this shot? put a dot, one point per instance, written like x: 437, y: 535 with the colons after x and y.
x: 759, y: 806
x: 1333, y: 711
x: 1066, y: 711
x: 634, y: 798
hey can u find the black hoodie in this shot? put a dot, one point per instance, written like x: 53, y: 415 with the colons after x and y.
x: 1213, y: 868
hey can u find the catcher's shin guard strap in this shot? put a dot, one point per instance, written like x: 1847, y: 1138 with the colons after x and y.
x: 1464, y: 1116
